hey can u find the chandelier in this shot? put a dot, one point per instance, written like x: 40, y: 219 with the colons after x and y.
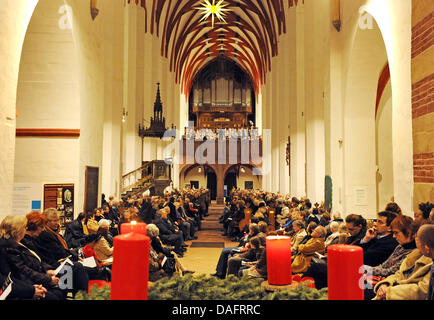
x: 212, y: 10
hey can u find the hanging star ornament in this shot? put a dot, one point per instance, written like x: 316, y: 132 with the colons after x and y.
x: 213, y: 9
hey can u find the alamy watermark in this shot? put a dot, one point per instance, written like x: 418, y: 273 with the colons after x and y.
x: 65, y: 21
x: 366, y: 20
x: 220, y: 147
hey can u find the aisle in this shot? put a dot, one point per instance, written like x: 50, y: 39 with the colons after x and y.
x: 202, y: 254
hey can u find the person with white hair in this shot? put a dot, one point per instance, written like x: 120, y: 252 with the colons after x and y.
x: 163, y: 251
x: 333, y: 238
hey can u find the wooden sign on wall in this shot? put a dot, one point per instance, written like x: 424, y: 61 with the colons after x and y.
x: 61, y: 197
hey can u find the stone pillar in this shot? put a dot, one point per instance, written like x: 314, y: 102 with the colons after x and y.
x: 14, y: 19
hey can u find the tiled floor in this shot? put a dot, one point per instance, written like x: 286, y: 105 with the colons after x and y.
x: 204, y: 260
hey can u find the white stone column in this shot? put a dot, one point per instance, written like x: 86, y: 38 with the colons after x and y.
x: 315, y: 34
x: 297, y: 95
x: 112, y: 141
x: 133, y: 85
x: 14, y: 19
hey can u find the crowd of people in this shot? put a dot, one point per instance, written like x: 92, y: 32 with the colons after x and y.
x: 397, y: 249
x: 36, y: 254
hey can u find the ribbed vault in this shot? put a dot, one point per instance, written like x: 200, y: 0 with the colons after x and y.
x: 249, y: 36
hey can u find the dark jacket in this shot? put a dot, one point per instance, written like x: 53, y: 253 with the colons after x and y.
x: 173, y: 215
x: 376, y: 251
x: 261, y: 266
x: 20, y: 289
x: 25, y: 265
x: 158, y: 247
x: 146, y: 213
x: 355, y: 240
x: 50, y: 249
x: 165, y: 226
x: 74, y: 235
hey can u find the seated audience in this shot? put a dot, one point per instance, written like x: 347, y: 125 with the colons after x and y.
x: 252, y: 254
x: 356, y: 227
x: 333, y: 238
x: 74, y: 233
x: 421, y: 216
x: 36, y: 223
x: 300, y: 234
x: 164, y: 252
x: 100, y: 245
x: 307, y: 251
x: 378, y: 242
x: 243, y: 246
x: 24, y: 263
x: 169, y: 235
x: 412, y: 279
x: 90, y: 222
x: 404, y: 231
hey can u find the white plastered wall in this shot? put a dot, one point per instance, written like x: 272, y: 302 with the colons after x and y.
x: 47, y: 97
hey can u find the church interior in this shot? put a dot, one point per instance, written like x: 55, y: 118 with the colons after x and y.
x: 327, y: 100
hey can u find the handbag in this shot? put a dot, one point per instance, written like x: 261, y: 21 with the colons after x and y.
x: 169, y: 265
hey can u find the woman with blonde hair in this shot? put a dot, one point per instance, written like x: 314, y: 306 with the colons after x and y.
x: 24, y: 263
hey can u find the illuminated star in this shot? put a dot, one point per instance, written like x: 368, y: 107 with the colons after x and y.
x: 213, y: 10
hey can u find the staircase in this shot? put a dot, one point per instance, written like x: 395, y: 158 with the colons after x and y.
x: 211, y: 224
x: 153, y: 176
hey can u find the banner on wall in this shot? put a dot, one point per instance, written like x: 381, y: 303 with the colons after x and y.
x: 27, y: 197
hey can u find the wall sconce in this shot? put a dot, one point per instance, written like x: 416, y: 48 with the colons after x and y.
x: 199, y: 169
x: 243, y: 170
x: 124, y: 115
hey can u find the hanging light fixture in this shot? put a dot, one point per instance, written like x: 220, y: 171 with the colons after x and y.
x: 213, y: 9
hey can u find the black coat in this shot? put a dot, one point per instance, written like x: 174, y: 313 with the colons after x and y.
x: 50, y: 249
x: 173, y: 215
x: 165, y: 226
x: 25, y: 265
x: 376, y: 251
x: 74, y: 235
x: 158, y: 247
x: 20, y: 289
x: 146, y: 212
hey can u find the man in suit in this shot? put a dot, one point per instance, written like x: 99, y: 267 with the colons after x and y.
x: 168, y: 233
x: 379, y: 243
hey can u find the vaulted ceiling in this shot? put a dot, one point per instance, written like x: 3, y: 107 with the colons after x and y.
x: 249, y: 36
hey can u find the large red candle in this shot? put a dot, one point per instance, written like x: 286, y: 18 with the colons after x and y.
x: 279, y: 260
x: 130, y: 269
x: 133, y: 226
x: 343, y: 265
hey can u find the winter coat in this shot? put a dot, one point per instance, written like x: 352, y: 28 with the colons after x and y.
x: 24, y: 264
x: 74, y: 234
x: 305, y: 253
x: 411, y: 281
x: 50, y: 248
x: 102, y: 249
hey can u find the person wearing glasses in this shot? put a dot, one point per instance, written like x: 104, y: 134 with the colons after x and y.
x: 412, y: 280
